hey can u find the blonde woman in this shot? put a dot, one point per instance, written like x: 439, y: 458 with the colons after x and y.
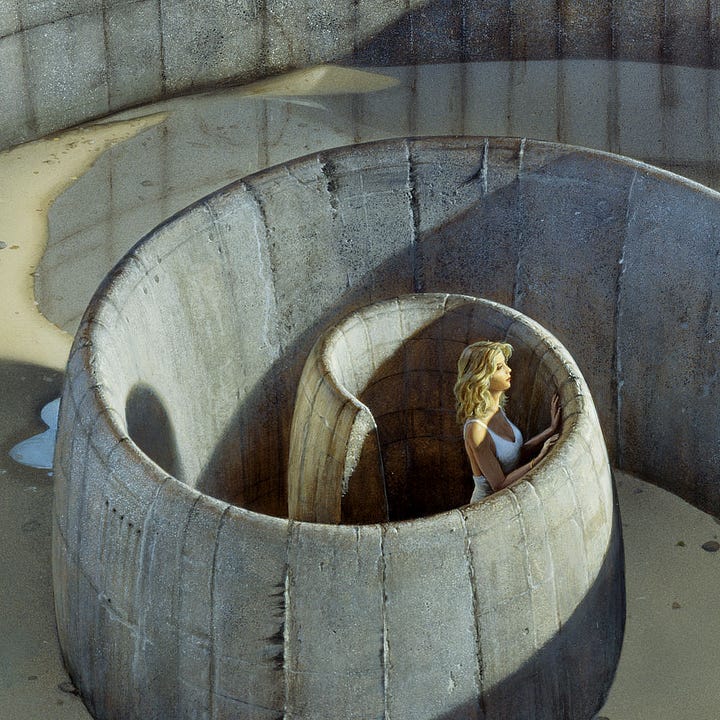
x: 494, y: 445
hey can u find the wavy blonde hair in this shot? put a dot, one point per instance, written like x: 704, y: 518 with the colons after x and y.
x: 475, y: 368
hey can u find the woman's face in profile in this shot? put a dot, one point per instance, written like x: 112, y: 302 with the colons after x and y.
x: 500, y: 379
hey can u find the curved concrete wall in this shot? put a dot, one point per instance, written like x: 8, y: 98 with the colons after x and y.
x: 628, y: 248
x: 172, y: 603
x: 660, y: 114
x: 581, y: 240
x: 64, y: 63
x: 374, y: 434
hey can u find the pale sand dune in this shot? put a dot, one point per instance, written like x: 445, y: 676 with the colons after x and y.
x: 671, y: 654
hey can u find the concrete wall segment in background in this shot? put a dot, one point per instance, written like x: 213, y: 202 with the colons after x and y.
x: 130, y: 53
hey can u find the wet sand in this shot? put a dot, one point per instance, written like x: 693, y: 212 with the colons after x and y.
x: 672, y: 647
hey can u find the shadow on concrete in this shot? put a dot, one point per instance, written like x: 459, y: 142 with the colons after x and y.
x: 249, y: 465
x: 508, y: 245
x: 150, y: 427
x: 446, y: 31
x: 591, y: 638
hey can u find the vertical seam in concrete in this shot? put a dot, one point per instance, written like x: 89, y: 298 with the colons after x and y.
x: 106, y: 47
x: 665, y: 49
x: 264, y: 59
x: 551, y: 560
x: 177, y: 604
x: 549, y: 553
x: 464, y: 92
x: 385, y: 644
x: 464, y: 53
x: 413, y: 110
x: 526, y: 563
x: 355, y: 25
x: 213, y: 669
x: 257, y: 199
x: 327, y: 167
x: 479, y: 669
x: 511, y: 33
x: 558, y: 30
x: 286, y: 620
x: 560, y: 105
x: 709, y: 29
x: 80, y: 502
x: 104, y: 532
x: 279, y: 340
x: 666, y: 82
x: 484, y: 163
x: 414, y: 208
x: 712, y: 147
x: 30, y: 109
x: 518, y: 209
x: 612, y: 106
x: 617, y: 360
x: 161, y: 49
x: 613, y: 109
x: 147, y: 550
x: 582, y: 524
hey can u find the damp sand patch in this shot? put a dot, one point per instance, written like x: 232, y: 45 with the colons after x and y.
x: 31, y: 177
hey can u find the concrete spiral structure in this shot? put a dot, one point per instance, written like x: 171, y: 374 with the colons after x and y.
x: 174, y: 604
x: 374, y: 434
x: 181, y: 587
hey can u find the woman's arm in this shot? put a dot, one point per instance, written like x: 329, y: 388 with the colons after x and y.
x: 529, y: 447
x: 482, y: 447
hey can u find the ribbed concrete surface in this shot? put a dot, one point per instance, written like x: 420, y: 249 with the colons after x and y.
x: 173, y: 604
x: 610, y: 255
x: 65, y: 63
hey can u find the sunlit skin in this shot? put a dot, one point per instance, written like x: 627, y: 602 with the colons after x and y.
x: 480, y: 446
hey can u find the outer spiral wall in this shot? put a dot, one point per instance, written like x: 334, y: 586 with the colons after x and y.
x: 193, y: 595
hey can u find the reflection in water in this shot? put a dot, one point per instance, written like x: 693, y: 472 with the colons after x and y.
x: 656, y: 113
x: 37, y: 451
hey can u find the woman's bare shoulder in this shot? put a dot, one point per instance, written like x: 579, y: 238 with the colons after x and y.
x: 475, y: 430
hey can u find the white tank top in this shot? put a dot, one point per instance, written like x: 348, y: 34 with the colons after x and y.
x: 506, y: 451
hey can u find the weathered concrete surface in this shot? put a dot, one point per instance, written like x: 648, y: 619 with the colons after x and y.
x: 374, y: 435
x: 660, y: 114
x: 174, y: 603
x: 65, y: 63
x: 231, y: 425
